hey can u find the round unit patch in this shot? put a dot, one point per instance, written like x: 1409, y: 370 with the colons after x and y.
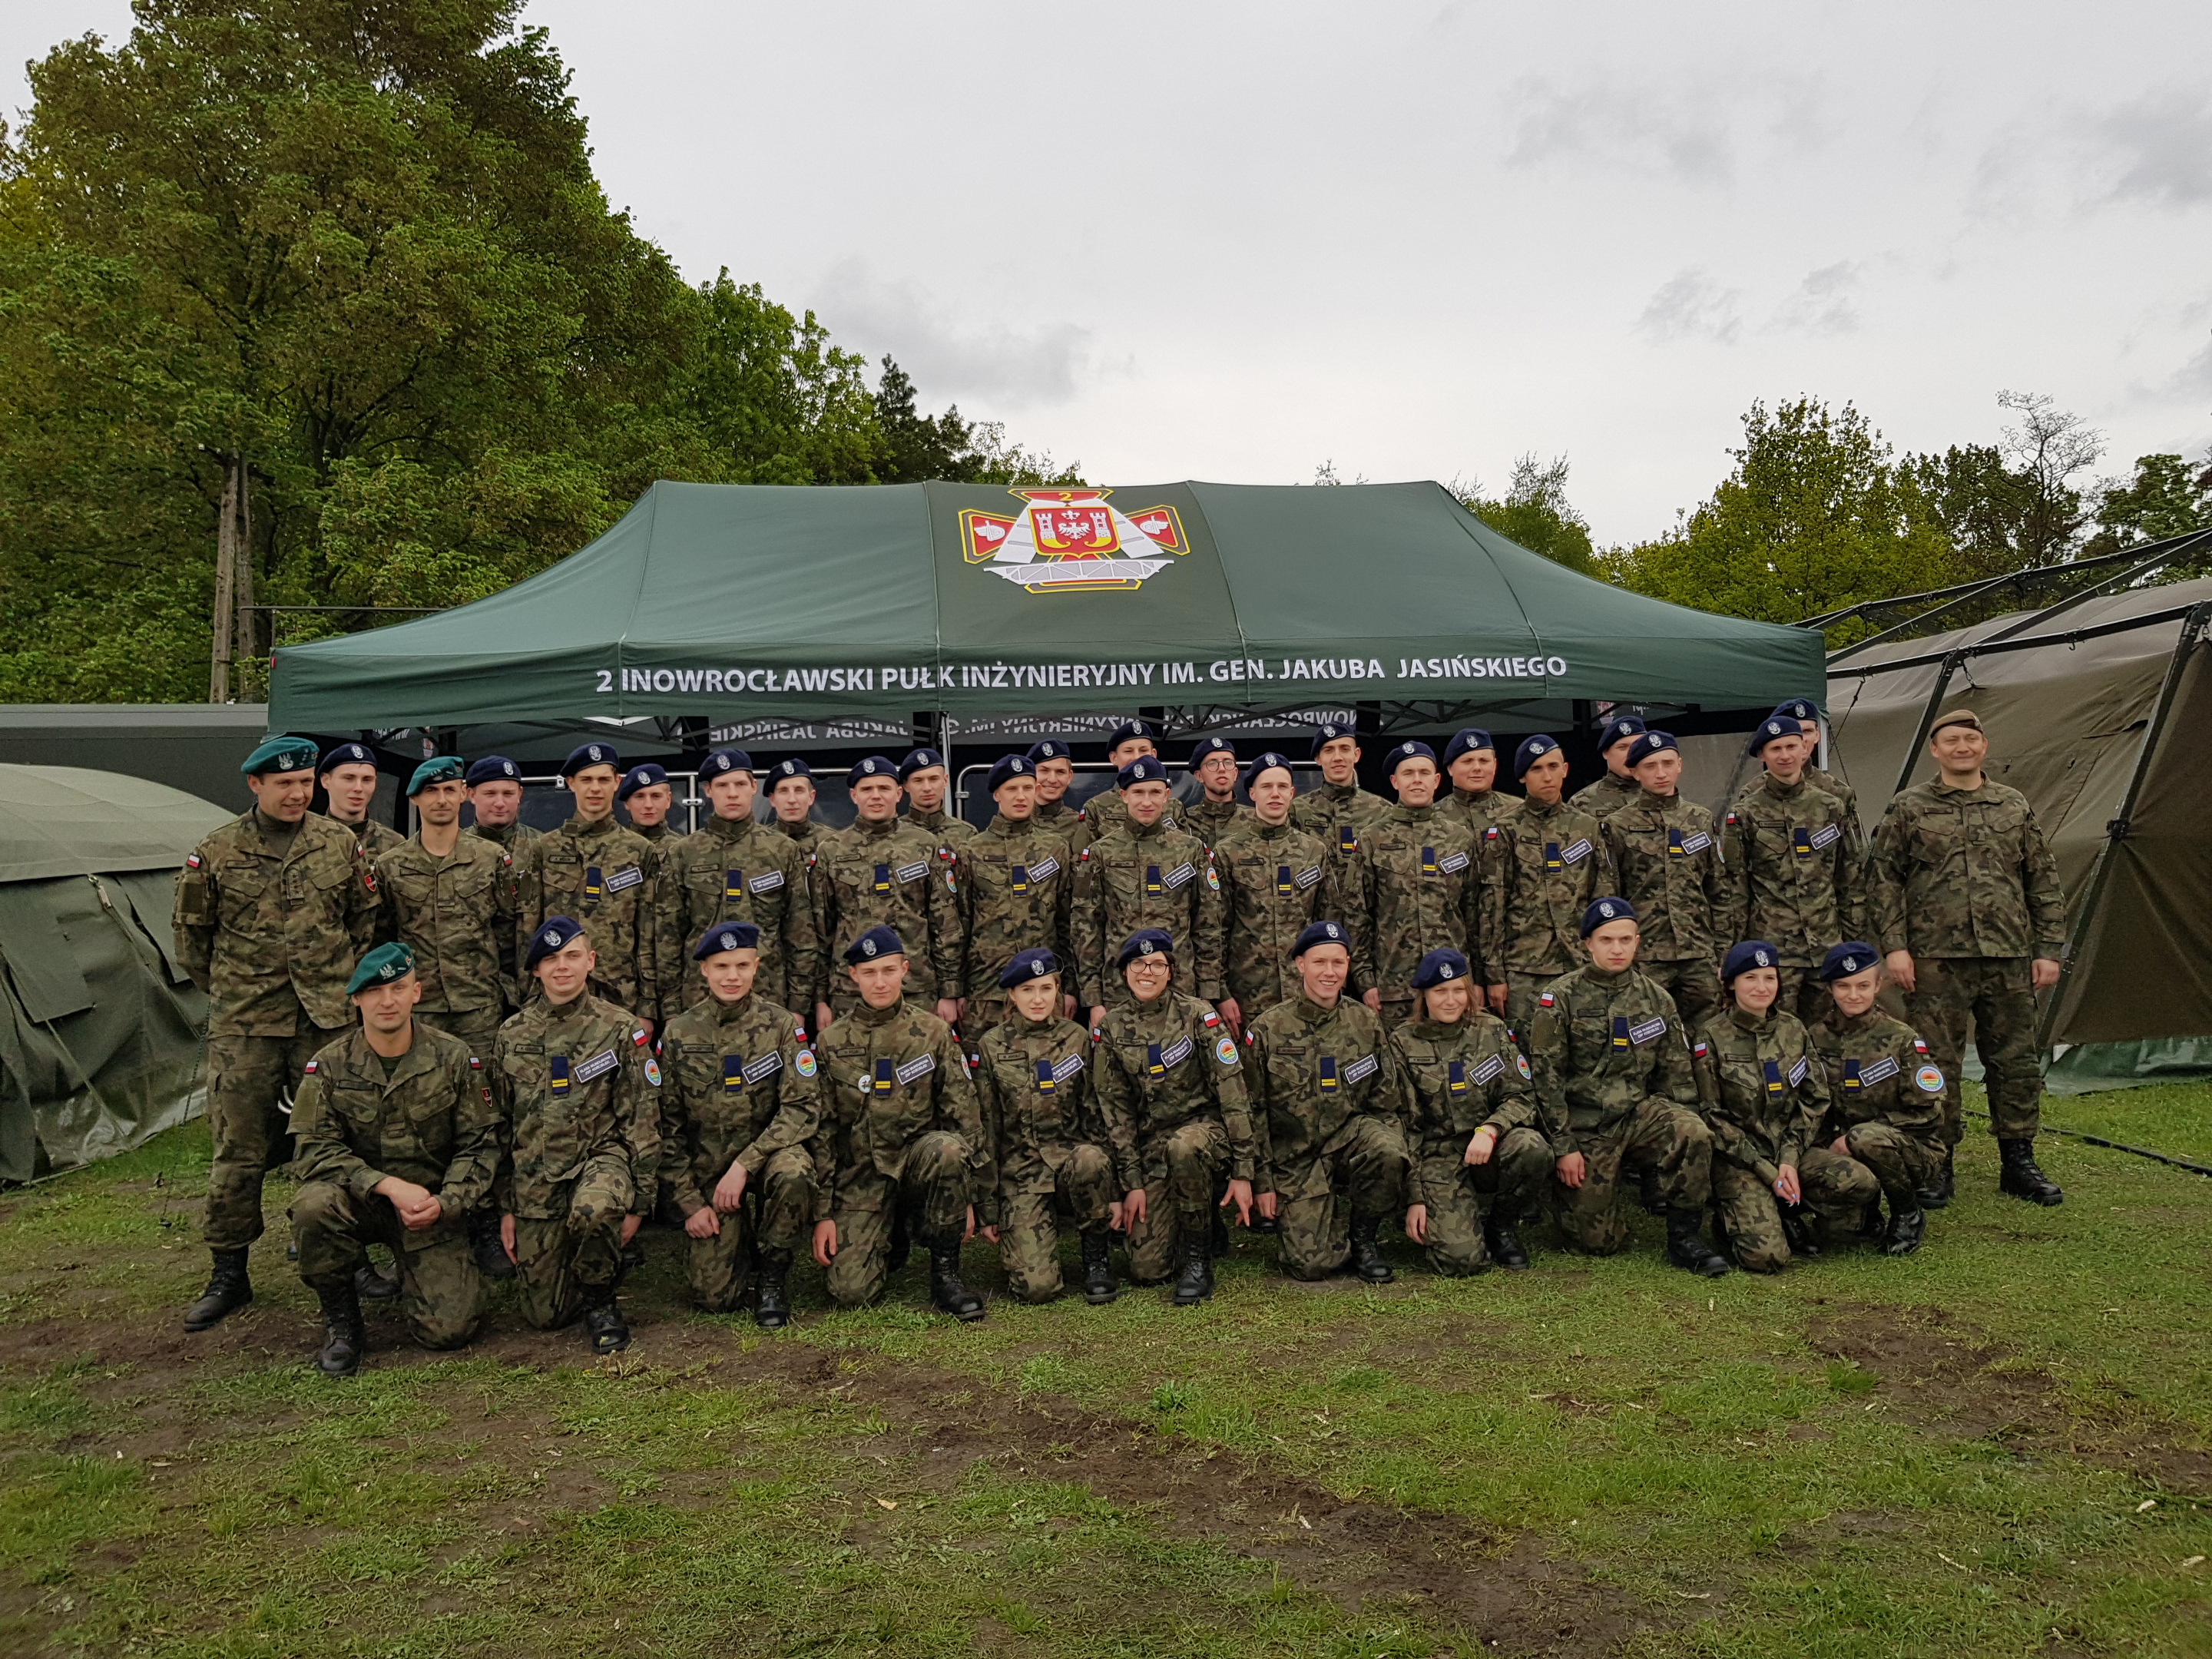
x: 653, y: 1071
x: 1226, y: 1052
x: 1931, y: 1080
x: 1521, y: 1061
x: 804, y: 1063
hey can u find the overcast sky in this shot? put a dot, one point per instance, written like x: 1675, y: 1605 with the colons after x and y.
x: 1233, y: 241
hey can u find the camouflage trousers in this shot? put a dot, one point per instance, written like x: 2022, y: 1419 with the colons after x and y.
x: 1672, y: 1139
x: 1901, y: 1161
x: 1522, y: 992
x: 774, y: 1218
x: 1029, y: 1224
x: 1804, y: 995
x: 1363, y: 1177
x: 564, y: 1263
x: 1836, y: 1189
x: 1694, y: 984
x: 251, y: 1080
x: 1394, y: 1011
x: 1996, y: 997
x: 475, y: 1026
x: 441, y: 1292
x: 933, y: 1191
x: 1510, y: 1185
x: 1183, y: 1172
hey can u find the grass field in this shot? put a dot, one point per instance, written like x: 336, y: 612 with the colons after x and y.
x: 1995, y: 1447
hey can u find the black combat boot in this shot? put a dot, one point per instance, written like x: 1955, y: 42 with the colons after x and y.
x: 489, y: 1253
x: 228, y: 1290
x: 1937, y: 1193
x: 344, y: 1338
x: 1906, y: 1229
x: 1647, y: 1182
x: 1506, y: 1249
x: 1870, y: 1217
x: 947, y: 1292
x: 1195, y: 1282
x: 1797, y: 1228
x: 372, y: 1283
x: 1686, y: 1247
x: 1098, y: 1285
x: 603, y: 1321
x: 2021, y: 1178
x: 770, y: 1311
x: 1366, y: 1256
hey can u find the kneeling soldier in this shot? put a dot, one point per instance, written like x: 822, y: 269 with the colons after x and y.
x: 1613, y: 1074
x: 1038, y: 1121
x: 577, y: 1088
x: 1330, y: 1119
x: 900, y: 1130
x: 1887, y: 1094
x: 739, y: 1105
x: 1171, y: 1090
x: 1764, y: 1092
x: 1471, y: 1114
x: 398, y: 1142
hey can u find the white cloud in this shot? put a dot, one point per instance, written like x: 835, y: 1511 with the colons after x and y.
x: 1692, y: 306
x: 1642, y: 128
x: 2162, y: 145
x: 1822, y: 303
x: 1007, y: 365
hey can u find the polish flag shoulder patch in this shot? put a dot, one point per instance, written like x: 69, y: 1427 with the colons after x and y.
x: 1699, y: 1049
x: 192, y: 860
x: 638, y: 1037
x: 1212, y: 1018
x: 1545, y: 999
x: 1919, y: 1047
x: 475, y: 1064
x: 311, y: 1069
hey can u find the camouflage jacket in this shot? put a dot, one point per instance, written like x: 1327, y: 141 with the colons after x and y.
x: 578, y: 1092
x: 1794, y: 879
x: 740, y: 1086
x: 1424, y: 872
x: 738, y: 870
x: 1548, y: 863
x: 376, y: 839
x: 1601, y: 1045
x: 268, y: 934
x: 457, y: 915
x: 1105, y: 812
x: 1879, y: 1071
x: 889, y: 874
x: 1163, y: 1064
x: 1146, y: 877
x: 1966, y: 872
x: 607, y: 878
x: 1820, y: 778
x: 656, y: 834
x: 1480, y: 809
x: 1607, y: 795
x: 1338, y: 813
x: 892, y: 1075
x: 1458, y: 1078
x: 1214, y: 822
x: 1016, y: 878
x: 941, y: 825
x: 808, y: 834
x: 1762, y: 1089
x: 1312, y: 1071
x: 1667, y: 858
x: 432, y: 1122
x: 508, y: 837
x: 1033, y: 1089
x: 1056, y: 816
x: 1274, y: 880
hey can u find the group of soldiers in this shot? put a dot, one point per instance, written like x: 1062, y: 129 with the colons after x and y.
x: 1319, y: 1014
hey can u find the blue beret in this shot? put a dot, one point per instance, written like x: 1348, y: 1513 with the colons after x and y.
x: 1146, y: 942
x: 792, y: 768
x: 918, y: 760
x: 1777, y: 725
x: 587, y: 754
x: 346, y: 754
x: 876, y: 942
x: 1852, y: 957
x: 725, y: 760
x: 1797, y: 708
x: 1129, y: 730
x: 1329, y: 732
x: 1143, y: 770
x: 381, y: 967
x: 638, y: 777
x: 1613, y: 908
x: 493, y: 768
x: 280, y: 755
x: 1746, y: 954
x: 1531, y: 750
x: 1028, y: 965
x: 1009, y: 766
x: 1466, y: 741
x: 1320, y: 933
x: 1048, y: 751
x: 875, y: 766
x: 1216, y: 745
x: 1406, y: 751
x: 1266, y: 762
x: 1619, y: 726
x: 446, y: 768
x: 1648, y: 744
x: 1438, y: 966
x: 727, y: 936
x: 553, y: 936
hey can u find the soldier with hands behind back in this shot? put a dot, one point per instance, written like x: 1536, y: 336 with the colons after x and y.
x: 605, y: 876
x: 1668, y: 856
x: 1147, y: 873
x: 883, y: 871
x: 1795, y: 873
x: 1276, y: 879
x: 1017, y: 880
x: 1546, y: 863
x: 735, y: 868
x: 1422, y: 871
x: 1885, y: 1094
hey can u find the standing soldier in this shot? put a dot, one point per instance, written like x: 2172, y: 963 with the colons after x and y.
x: 272, y: 911
x: 646, y: 795
x: 349, y: 781
x: 1471, y: 762
x: 604, y: 876
x: 1472, y: 1120
x: 740, y: 1103
x: 882, y: 872
x: 1016, y: 879
x: 1339, y: 809
x: 1042, y: 1127
x: 1618, y: 787
x: 1795, y: 874
x: 901, y: 1142
x: 1145, y: 874
x: 1422, y: 869
x: 1802, y: 711
x: 1968, y: 908
x: 1171, y: 1091
x: 495, y: 796
x: 397, y: 1142
x: 1669, y: 863
x: 577, y: 1088
x: 1613, y: 1073
x: 1276, y: 880
x: 1055, y: 770
x: 926, y: 778
x: 1215, y: 815
x: 1105, y: 811
x: 1885, y: 1094
x: 735, y: 868
x: 791, y: 795
x: 1547, y: 863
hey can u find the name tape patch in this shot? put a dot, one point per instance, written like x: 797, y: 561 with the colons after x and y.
x: 920, y: 1065
x: 1493, y: 1066
x: 1880, y: 1071
x: 1696, y: 843
x: 1825, y: 836
x: 1176, y: 876
x: 766, y: 883
x: 1176, y: 1053
x: 1575, y: 853
x: 1308, y: 876
x: 1648, y: 1029
x: 1797, y: 1071
x: 597, y: 1065
x: 1365, y: 1067
x: 767, y: 1066
x: 624, y: 879
x: 1046, y: 871
x: 1066, y: 1067
x: 1452, y: 863
x: 914, y: 872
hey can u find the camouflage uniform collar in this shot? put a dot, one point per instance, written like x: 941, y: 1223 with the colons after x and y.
x: 1340, y: 791
x: 559, y: 1011
x: 933, y: 820
x: 1754, y: 1023
x: 354, y: 827
x: 1401, y: 813
x: 1856, y: 1023
x: 1049, y: 810
x: 1597, y: 975
x: 1312, y: 1013
x: 1544, y: 809
x: 1473, y: 797
x: 274, y: 836
x: 1782, y: 791
x: 1162, y: 1004
x: 725, y: 1012
x: 1267, y: 831
x: 591, y: 828
x: 1952, y: 792
x: 877, y: 828
x: 1158, y: 826
x: 365, y: 1059
x: 1003, y: 825
x: 868, y: 1016
x: 724, y: 828
x: 1028, y: 1027
x: 659, y: 831
x: 1435, y: 1030
x: 1658, y: 803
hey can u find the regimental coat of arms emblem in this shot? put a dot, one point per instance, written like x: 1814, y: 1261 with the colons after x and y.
x: 1066, y: 541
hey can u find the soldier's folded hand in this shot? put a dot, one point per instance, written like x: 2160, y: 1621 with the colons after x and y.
x: 703, y: 1222
x: 1239, y: 1195
x: 419, y: 1208
x: 1479, y: 1146
x: 1572, y: 1169
x: 1130, y: 1214
x: 729, y: 1191
x: 1416, y: 1222
x: 825, y: 1242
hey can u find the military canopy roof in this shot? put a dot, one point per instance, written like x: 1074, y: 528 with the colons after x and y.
x: 65, y: 821
x: 745, y: 602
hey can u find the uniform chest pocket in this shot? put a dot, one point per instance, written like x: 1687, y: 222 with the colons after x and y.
x: 473, y: 880
x: 358, y: 1103
x: 426, y: 1114
x: 247, y: 882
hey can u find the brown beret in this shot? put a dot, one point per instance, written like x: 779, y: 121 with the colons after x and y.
x: 1956, y: 717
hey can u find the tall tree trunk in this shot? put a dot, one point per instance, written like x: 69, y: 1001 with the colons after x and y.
x: 227, y: 552
x: 246, y: 637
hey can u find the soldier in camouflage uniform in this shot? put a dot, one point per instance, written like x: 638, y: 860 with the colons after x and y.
x: 273, y: 909
x: 1795, y: 876
x: 577, y: 1089
x: 1171, y: 1088
x: 1423, y: 871
x: 495, y: 785
x: 1472, y: 1117
x: 740, y: 1101
x: 1885, y: 1093
x: 1146, y: 874
x: 1339, y: 809
x: 884, y: 872
x: 1618, y: 787
x: 1015, y: 881
x: 1329, y: 1113
x: 1765, y: 1095
x: 348, y: 775
x: 1055, y: 770
x: 645, y: 795
x: 1042, y: 1128
x: 1802, y: 710
x: 735, y: 868
x: 901, y: 1130
x: 397, y: 1142
x: 604, y: 875
x: 1276, y: 879
x: 1471, y: 762
x: 926, y: 780
x: 1667, y: 858
x: 1216, y: 815
x: 1106, y: 812
x: 1613, y: 1079
x: 1547, y: 863
x: 791, y: 797
x: 1967, y: 906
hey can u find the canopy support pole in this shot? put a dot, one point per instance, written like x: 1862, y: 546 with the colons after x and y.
x: 1950, y: 661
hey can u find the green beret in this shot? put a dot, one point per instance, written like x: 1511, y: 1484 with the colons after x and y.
x: 281, y: 755
x: 444, y: 768
x: 381, y: 967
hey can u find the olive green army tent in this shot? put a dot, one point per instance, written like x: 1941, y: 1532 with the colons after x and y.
x: 100, y: 1026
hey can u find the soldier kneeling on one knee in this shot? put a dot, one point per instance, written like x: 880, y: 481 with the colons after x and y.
x: 1886, y: 1091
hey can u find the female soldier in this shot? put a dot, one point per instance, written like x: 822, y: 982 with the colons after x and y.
x: 1887, y: 1091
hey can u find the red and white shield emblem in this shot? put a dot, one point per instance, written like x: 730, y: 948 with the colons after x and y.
x: 1074, y: 530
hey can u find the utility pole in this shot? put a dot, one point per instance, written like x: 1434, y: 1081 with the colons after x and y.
x: 235, y: 630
